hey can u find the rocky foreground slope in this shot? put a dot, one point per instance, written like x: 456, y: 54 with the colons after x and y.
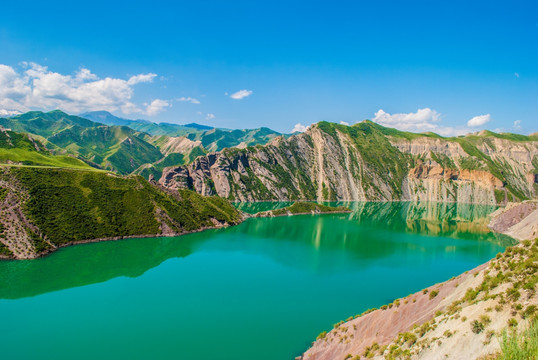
x: 462, y: 318
x: 367, y: 161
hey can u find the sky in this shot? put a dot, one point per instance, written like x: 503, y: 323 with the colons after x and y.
x: 450, y: 67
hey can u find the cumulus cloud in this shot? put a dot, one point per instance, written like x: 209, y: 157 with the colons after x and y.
x: 141, y: 78
x: 37, y: 87
x: 299, y: 128
x: 156, y: 106
x: 425, y: 120
x: 241, y: 94
x: 422, y: 120
x: 344, y: 123
x: 517, y: 125
x: 188, y: 99
x: 7, y: 113
x: 209, y: 116
x: 479, y: 120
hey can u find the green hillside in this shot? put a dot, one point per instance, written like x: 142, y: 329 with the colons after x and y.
x: 20, y: 149
x: 117, y: 148
x: 70, y: 206
x: 44, y: 124
x: 218, y: 139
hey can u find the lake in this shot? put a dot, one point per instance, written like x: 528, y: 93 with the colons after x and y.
x: 263, y: 289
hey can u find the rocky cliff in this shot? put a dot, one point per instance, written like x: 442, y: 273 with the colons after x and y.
x: 367, y: 161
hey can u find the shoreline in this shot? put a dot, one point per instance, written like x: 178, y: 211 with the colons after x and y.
x: 142, y: 236
x: 116, y: 238
x: 394, y: 330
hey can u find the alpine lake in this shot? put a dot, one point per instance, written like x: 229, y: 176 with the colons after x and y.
x: 261, y: 290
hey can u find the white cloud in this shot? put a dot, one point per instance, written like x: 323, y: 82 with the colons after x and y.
x: 423, y: 120
x: 241, y: 94
x: 209, y: 116
x: 188, y: 99
x: 6, y: 113
x: 344, y: 123
x: 299, y: 128
x: 141, y: 78
x: 479, y: 120
x: 36, y: 87
x: 517, y: 125
x: 156, y: 106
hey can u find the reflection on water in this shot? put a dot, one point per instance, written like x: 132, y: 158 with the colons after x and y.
x: 255, y: 207
x: 324, y: 244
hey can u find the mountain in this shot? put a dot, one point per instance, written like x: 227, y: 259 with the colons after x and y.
x: 43, y: 209
x: 198, y: 126
x: 116, y: 148
x: 218, y: 139
x: 176, y: 151
x: 21, y: 149
x: 212, y: 139
x: 206, y: 138
x: 367, y: 161
x: 44, y: 124
x: 146, y: 126
x: 104, y: 117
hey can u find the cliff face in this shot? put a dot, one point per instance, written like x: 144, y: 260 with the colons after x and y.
x: 367, y: 162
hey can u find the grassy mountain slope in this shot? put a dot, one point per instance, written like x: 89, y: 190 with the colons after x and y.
x: 218, y: 139
x: 61, y: 206
x: 20, y: 149
x: 116, y: 148
x: 44, y: 124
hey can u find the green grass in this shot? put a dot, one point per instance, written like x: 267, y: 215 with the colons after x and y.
x: 26, y: 157
x: 18, y: 148
x: 522, y: 345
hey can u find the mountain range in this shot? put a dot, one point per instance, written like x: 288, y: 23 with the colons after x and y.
x: 366, y: 162
x: 107, y: 142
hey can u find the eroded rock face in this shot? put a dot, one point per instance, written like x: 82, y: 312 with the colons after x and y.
x: 362, y: 162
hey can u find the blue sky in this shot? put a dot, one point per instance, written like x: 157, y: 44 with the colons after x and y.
x: 418, y: 65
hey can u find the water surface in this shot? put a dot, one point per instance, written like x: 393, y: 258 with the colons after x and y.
x: 263, y: 289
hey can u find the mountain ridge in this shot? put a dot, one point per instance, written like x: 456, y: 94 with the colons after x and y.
x: 365, y: 162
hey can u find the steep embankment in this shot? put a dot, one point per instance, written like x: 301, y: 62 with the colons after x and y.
x: 44, y: 209
x: 459, y: 319
x: 519, y: 221
x: 368, y: 162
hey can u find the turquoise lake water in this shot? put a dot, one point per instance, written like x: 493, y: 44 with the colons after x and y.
x: 264, y: 289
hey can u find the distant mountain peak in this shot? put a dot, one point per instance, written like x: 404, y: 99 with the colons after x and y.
x: 199, y: 126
